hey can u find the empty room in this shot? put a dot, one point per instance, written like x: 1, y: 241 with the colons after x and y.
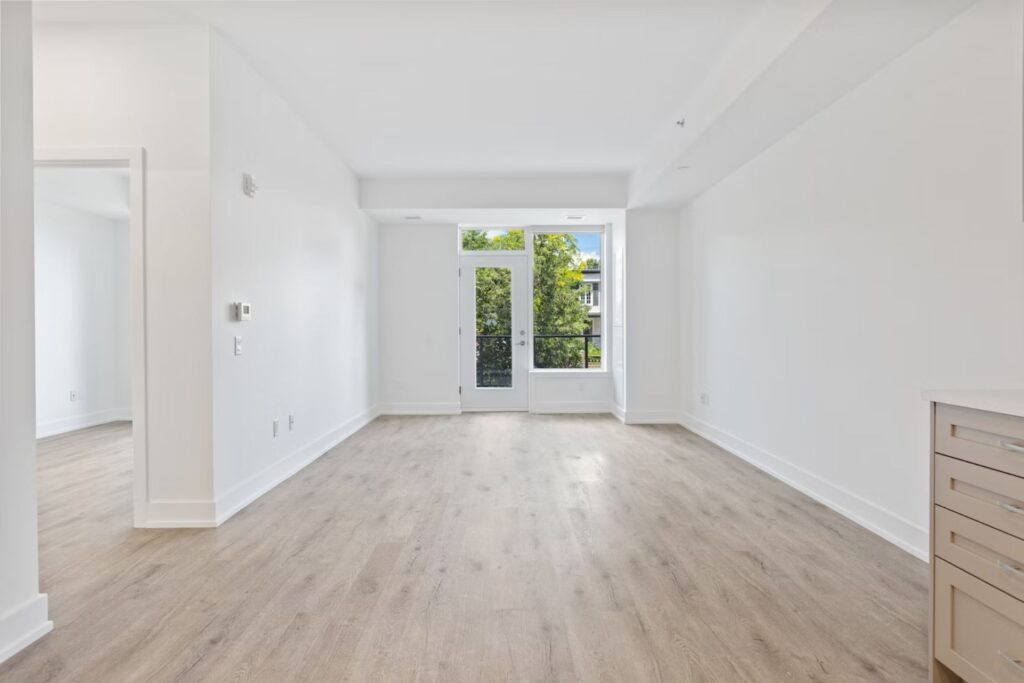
x: 504, y: 340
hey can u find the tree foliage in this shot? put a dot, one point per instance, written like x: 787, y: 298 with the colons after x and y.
x: 557, y: 283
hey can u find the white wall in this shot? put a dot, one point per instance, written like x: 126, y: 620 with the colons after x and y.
x: 509, y: 194
x: 873, y: 253
x: 652, y: 298
x: 23, y: 609
x: 304, y: 255
x: 573, y: 391
x: 122, y: 85
x: 82, y: 317
x: 419, y: 319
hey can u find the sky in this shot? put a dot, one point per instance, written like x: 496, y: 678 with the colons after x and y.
x: 589, y: 244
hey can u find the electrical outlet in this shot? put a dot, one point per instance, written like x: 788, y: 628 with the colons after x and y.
x: 277, y: 427
x: 73, y: 395
x: 705, y: 399
x: 238, y: 346
x: 291, y: 422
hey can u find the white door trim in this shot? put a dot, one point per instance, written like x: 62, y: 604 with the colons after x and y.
x: 134, y: 158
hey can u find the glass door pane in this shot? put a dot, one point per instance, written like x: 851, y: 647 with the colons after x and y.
x: 493, y: 327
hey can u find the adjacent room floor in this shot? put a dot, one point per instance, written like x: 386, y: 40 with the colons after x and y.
x: 474, y: 548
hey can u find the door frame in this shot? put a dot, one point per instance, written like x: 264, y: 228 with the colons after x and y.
x: 609, y: 290
x: 134, y: 159
x: 522, y: 383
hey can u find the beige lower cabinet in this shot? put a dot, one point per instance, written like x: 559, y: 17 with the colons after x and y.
x: 977, y: 531
x: 979, y: 634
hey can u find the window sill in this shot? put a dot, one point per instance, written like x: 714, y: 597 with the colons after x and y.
x: 568, y: 372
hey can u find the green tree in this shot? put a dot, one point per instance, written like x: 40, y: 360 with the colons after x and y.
x: 557, y: 309
x: 478, y: 240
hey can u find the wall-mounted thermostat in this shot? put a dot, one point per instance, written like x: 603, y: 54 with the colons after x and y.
x: 243, y: 311
x: 248, y: 185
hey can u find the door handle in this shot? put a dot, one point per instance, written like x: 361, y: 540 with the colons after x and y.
x: 522, y: 343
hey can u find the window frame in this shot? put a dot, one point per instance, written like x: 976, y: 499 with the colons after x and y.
x: 529, y: 231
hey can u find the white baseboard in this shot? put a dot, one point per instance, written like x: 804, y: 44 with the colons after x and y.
x: 179, y: 514
x: 650, y: 417
x: 255, y: 486
x: 618, y: 412
x: 893, y: 528
x: 75, y: 422
x: 420, y: 408
x: 23, y: 625
x: 569, y: 407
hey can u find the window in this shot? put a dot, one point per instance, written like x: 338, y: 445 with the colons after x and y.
x: 482, y: 239
x: 493, y: 327
x: 566, y: 319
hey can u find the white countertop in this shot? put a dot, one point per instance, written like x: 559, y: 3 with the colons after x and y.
x: 1005, y: 401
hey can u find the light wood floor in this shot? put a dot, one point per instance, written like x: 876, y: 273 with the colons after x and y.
x: 486, y: 547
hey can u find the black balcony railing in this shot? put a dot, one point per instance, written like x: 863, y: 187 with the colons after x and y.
x: 550, y: 351
x: 494, y: 360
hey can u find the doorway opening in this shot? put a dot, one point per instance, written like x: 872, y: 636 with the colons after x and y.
x: 90, y: 341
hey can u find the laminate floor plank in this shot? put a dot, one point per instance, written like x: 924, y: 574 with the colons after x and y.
x: 484, y: 547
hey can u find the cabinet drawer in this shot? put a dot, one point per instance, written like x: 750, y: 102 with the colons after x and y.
x: 979, y: 630
x: 988, y: 439
x: 980, y: 550
x: 991, y: 497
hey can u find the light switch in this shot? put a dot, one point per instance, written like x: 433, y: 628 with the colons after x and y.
x: 238, y: 346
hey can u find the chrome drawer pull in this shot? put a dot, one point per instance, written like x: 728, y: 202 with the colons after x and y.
x: 1015, y: 663
x: 1010, y: 569
x: 1010, y: 507
x: 1010, y: 446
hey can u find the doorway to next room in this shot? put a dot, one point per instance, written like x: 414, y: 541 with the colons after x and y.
x: 88, y: 377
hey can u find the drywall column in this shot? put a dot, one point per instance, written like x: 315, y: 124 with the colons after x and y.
x: 652, y: 348
x: 686, y: 266
x: 23, y: 609
x: 617, y: 324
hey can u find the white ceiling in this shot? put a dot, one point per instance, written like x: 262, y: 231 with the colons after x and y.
x: 101, y: 191
x: 427, y: 89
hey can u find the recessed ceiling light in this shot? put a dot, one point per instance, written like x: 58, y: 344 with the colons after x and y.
x: 682, y: 168
x: 574, y: 218
x: 414, y: 218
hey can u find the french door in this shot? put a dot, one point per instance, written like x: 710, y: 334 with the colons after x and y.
x: 494, y: 342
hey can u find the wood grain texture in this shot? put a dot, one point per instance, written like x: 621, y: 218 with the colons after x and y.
x: 484, y: 547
